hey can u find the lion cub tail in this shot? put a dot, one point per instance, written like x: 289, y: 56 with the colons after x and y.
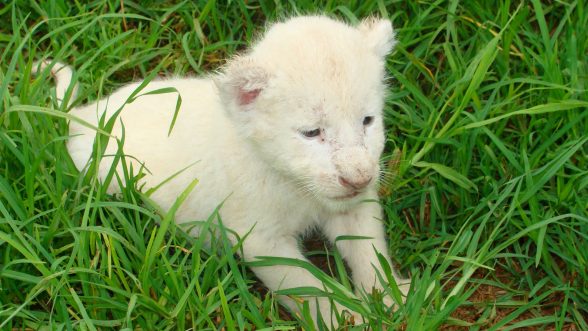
x: 63, y: 75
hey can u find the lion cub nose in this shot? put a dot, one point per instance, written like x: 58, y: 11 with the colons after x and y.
x: 356, y: 184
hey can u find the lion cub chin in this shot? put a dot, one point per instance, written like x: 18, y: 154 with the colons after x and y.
x: 288, y: 136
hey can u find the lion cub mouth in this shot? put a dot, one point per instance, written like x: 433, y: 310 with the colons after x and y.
x: 348, y: 196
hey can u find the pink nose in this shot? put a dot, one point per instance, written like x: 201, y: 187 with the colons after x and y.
x: 355, y: 184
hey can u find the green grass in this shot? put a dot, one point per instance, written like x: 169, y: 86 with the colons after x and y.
x: 487, y: 205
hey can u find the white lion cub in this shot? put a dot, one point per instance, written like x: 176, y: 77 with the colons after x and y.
x: 289, y: 136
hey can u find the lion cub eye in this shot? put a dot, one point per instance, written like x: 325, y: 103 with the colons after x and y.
x: 311, y: 133
x: 368, y: 120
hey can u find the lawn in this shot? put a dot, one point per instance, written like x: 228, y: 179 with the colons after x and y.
x: 486, y: 195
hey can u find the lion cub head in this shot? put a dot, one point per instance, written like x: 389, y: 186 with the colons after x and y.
x: 308, y: 97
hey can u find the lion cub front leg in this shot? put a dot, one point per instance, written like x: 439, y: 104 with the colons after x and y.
x: 360, y: 254
x: 279, y: 277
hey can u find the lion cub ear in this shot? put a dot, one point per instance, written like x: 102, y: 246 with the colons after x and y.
x: 241, y: 82
x: 379, y: 35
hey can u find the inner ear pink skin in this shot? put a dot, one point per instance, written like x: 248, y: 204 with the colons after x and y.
x: 247, y: 97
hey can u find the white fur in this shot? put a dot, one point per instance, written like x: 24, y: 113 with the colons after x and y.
x: 241, y: 132
x: 63, y: 74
